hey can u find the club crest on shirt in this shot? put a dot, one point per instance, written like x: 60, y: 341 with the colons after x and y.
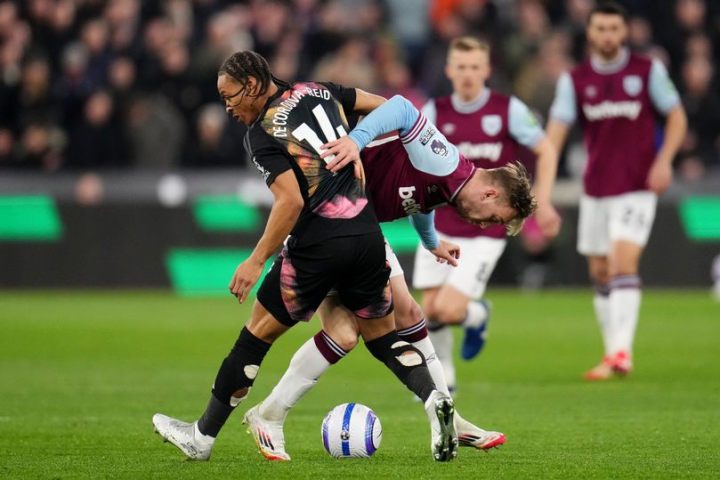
x: 491, y: 124
x: 591, y: 91
x: 448, y: 128
x: 439, y: 148
x: 632, y: 84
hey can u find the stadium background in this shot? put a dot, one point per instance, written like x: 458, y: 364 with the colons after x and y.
x: 116, y: 154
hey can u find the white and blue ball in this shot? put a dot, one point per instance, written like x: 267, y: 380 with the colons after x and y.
x: 351, y: 430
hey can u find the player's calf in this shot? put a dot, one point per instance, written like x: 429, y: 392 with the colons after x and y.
x: 405, y: 361
x: 233, y: 382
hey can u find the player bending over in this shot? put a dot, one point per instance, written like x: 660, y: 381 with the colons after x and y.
x: 335, y: 242
x: 491, y: 130
x: 412, y: 174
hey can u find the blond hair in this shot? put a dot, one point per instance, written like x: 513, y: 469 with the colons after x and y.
x: 514, y: 181
x: 468, y: 44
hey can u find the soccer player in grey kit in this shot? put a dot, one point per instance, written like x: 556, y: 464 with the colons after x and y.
x: 615, y: 95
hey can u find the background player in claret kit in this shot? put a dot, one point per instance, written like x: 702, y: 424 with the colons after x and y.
x: 416, y: 172
x: 487, y: 127
x: 335, y: 241
x: 615, y: 95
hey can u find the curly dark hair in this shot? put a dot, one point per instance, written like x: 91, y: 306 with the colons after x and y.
x: 514, y: 181
x: 242, y: 65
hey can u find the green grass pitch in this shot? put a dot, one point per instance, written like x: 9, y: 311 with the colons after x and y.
x: 83, y: 373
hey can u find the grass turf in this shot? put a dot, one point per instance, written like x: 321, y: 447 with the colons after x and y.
x: 82, y: 374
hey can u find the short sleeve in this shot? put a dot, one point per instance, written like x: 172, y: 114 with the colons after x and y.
x: 524, y: 127
x: 266, y: 154
x: 346, y: 96
x: 564, y: 107
x: 663, y: 93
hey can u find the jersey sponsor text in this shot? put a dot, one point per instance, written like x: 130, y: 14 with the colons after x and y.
x: 409, y: 204
x: 608, y: 109
x: 489, y: 151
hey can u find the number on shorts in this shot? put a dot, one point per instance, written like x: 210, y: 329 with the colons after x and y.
x: 633, y: 217
x: 483, y: 273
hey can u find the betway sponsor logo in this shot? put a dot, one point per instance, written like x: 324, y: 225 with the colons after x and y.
x: 489, y: 151
x: 409, y: 204
x: 607, y: 109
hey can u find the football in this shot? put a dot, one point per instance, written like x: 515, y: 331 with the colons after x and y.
x: 351, y: 430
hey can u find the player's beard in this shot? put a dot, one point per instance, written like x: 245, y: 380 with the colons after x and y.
x: 608, y: 54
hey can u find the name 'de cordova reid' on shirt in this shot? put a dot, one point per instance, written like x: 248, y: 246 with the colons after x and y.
x: 283, y: 110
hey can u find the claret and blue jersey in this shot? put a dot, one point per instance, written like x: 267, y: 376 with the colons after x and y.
x: 617, y: 104
x: 411, y: 174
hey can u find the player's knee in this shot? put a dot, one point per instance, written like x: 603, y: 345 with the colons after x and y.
x: 347, y: 339
x: 429, y: 311
x: 407, y: 314
x: 395, y: 352
x: 348, y: 342
x: 600, y: 274
x: 621, y: 268
x: 449, y: 313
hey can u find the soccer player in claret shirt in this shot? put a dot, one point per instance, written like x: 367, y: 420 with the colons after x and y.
x: 488, y: 128
x: 409, y: 175
x: 334, y: 242
x: 616, y: 95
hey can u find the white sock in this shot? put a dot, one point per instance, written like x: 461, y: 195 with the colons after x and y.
x: 624, y: 312
x: 306, y: 366
x: 442, y: 341
x: 602, y: 313
x: 475, y: 316
x: 433, y: 362
x: 202, y: 439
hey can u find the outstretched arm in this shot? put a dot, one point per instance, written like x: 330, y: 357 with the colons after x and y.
x: 428, y: 149
x: 395, y: 114
x: 424, y: 225
x: 445, y: 252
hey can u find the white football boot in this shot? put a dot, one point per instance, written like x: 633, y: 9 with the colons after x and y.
x: 470, y: 435
x: 184, y: 436
x: 268, y: 435
x: 441, y: 412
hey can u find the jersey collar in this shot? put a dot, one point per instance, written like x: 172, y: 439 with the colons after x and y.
x: 613, y: 66
x: 269, y: 102
x: 473, y: 105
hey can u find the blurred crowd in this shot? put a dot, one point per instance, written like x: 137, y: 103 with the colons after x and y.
x: 102, y: 84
